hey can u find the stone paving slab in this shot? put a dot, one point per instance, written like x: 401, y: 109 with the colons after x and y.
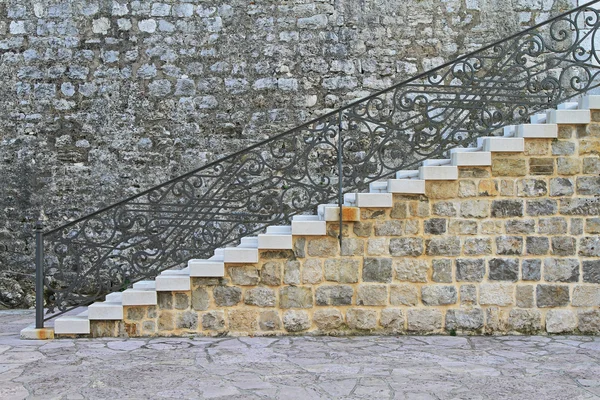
x: 366, y: 367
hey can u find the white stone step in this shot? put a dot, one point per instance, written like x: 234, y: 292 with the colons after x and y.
x: 569, y: 117
x: 249, y: 241
x: 378, y: 187
x: 244, y: 255
x: 438, y: 173
x: 72, y: 325
x: 330, y: 213
x: 206, y: 268
x: 219, y: 252
x: 173, y: 283
x: 590, y: 102
x: 371, y: 200
x: 83, y: 313
x: 282, y: 229
x: 537, y: 131
x: 184, y: 271
x: 322, y: 210
x: 465, y: 149
x: 115, y: 297
x: 538, y: 118
x: 139, y: 297
x: 407, y: 186
x: 105, y: 311
x: 509, y: 130
x: 406, y: 174
x: 275, y: 241
x: 143, y: 285
x: 570, y: 105
x: 501, y: 144
x: 308, y: 226
x: 434, y: 162
x: 475, y: 158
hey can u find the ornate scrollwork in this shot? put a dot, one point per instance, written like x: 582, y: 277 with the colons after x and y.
x: 291, y: 173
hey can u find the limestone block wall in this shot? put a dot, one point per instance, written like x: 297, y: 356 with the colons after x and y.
x: 511, y: 248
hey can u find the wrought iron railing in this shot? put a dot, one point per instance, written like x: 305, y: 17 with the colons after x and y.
x: 317, y: 162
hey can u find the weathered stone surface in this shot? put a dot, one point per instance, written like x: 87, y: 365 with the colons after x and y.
x: 323, y: 247
x: 438, y: 295
x: 531, y: 187
x: 568, y: 165
x: 525, y: 321
x: 182, y: 301
x: 462, y: 227
x: 362, y: 319
x: 269, y: 321
x: 392, y: 319
x: 389, y: 228
x: 435, y: 226
x: 291, y: 275
x: 334, y: 295
x: 467, y: 188
x: 591, y: 271
x: 504, y: 269
x: 343, y: 270
x: 243, y: 275
x: 499, y: 294
x: 576, y: 206
x: 507, y: 208
x: 589, y: 246
x: 525, y: 296
x: 442, y: 270
x: 552, y: 295
x: 300, y: 247
x: 464, y: 320
x: 187, y: 320
x: 411, y: 270
x: 562, y: 148
x: 509, y: 245
x: 586, y: 296
x: 592, y: 225
x: 213, y: 320
x: 399, y: 211
x: 406, y: 247
x: 166, y: 320
x: 563, y: 245
x: 552, y: 226
x: 537, y: 245
x: 296, y: 321
x: 165, y: 300
x: 372, y: 295
x: 404, y: 295
x: 509, y: 166
x: 541, y: 166
x: 363, y: 229
x: 576, y: 227
x: 541, y: 207
x: 591, y: 165
x: 488, y: 187
x: 378, y: 247
x: 468, y: 294
x: 260, y: 296
x: 470, y: 269
x: 589, y: 322
x: 588, y: 185
x: 561, y: 269
x: 475, y: 209
x: 295, y: 297
x: 200, y: 299
x: 226, y: 296
x: 328, y: 319
x: 561, y: 187
x: 135, y: 313
x: 444, y: 209
x: 377, y: 270
x: 312, y: 271
x: 561, y: 321
x: 441, y: 189
x: 477, y: 246
x: 443, y: 246
x: 531, y: 269
x: 353, y: 247
x: 520, y: 226
x: 424, y: 320
x: 270, y: 273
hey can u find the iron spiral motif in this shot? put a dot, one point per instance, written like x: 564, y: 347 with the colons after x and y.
x: 424, y: 117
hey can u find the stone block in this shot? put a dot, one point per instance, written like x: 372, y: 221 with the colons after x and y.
x: 580, y: 206
x: 592, y: 225
x: 441, y: 189
x: 589, y: 246
x: 343, y: 270
x: 537, y: 245
x: 509, y: 245
x: 363, y: 229
x: 591, y: 271
x: 269, y: 321
x: 531, y: 269
x: 182, y: 300
x: 213, y: 320
x: 561, y: 321
x: 187, y: 320
x: 475, y: 209
x: 438, y: 295
x: 389, y: 228
x: 227, y: 296
x: 470, y: 269
x: 525, y: 321
x: 372, y: 295
x: 532, y: 187
x: 295, y: 297
x: 520, y: 226
x: 525, y: 296
x: 291, y: 274
x: 392, y: 319
x: 462, y: 227
x: 467, y: 188
x: 270, y: 273
x: 507, y: 208
x: 576, y: 228
x: 561, y: 187
x: 165, y: 300
x: 424, y: 320
x: 498, y: 294
x: 477, y: 246
x: 296, y: 321
x: 312, y: 271
x: 361, y: 319
x: 568, y: 165
x: 323, y: 247
x: 435, y: 226
x: 406, y: 247
x: 588, y: 185
x: 411, y: 270
x: 135, y: 313
x: 563, y: 245
x: 243, y: 275
x: 488, y: 187
x: 541, y: 166
x: 552, y: 295
x: 334, y: 295
x: 552, y: 226
x: 300, y: 247
x: 468, y: 294
x: 328, y: 319
x: 509, y: 166
x: 378, y: 247
x: 464, y: 320
x: 536, y: 208
x: 243, y: 320
x: 591, y: 166
x: 261, y: 297
x: 200, y: 299
x: 503, y: 269
x: 399, y: 210
x: 586, y: 296
x: 443, y: 246
x: 444, y: 209
x: 404, y: 295
x: 589, y: 322
x: 353, y: 247
x: 377, y: 270
x: 442, y: 270
x: 561, y: 270
x: 562, y: 148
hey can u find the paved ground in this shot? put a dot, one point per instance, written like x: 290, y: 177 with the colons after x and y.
x: 409, y: 367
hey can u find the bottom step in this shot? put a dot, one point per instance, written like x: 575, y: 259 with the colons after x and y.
x: 72, y: 325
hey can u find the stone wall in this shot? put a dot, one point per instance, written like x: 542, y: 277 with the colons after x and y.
x: 100, y: 99
x: 511, y: 248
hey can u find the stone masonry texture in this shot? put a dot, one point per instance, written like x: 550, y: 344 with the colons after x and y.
x: 538, y: 272
x: 101, y: 99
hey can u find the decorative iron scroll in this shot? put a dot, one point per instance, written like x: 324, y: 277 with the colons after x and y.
x: 424, y: 117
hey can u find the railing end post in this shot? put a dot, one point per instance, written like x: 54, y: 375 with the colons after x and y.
x: 39, y: 274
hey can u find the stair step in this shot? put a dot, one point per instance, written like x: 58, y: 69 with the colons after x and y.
x: 405, y: 174
x: 115, y: 297
x: 509, y: 130
x: 282, y: 229
x: 438, y: 173
x: 331, y: 212
x: 569, y: 117
x: 589, y: 102
x: 477, y: 158
x: 139, y: 297
x: 501, y: 144
x: 570, y: 105
x: 250, y: 241
x: 407, y: 186
x: 434, y: 162
x: 378, y: 187
x: 309, y: 226
x: 465, y: 149
x: 168, y: 283
x: 538, y: 118
x: 245, y: 255
x: 143, y: 285
x: 105, y: 311
x: 206, y: 268
x: 184, y: 271
x: 371, y: 200
x: 537, y: 131
x: 322, y: 210
x: 303, y: 217
x: 72, y: 324
x: 219, y: 252
x: 275, y: 241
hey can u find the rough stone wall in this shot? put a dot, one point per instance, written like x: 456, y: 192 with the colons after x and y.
x: 100, y: 99
x: 511, y: 248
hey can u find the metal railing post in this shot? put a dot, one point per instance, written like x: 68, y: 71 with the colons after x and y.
x: 39, y: 275
x: 341, y: 175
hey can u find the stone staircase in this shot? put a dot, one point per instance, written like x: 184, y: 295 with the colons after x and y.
x: 381, y: 195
